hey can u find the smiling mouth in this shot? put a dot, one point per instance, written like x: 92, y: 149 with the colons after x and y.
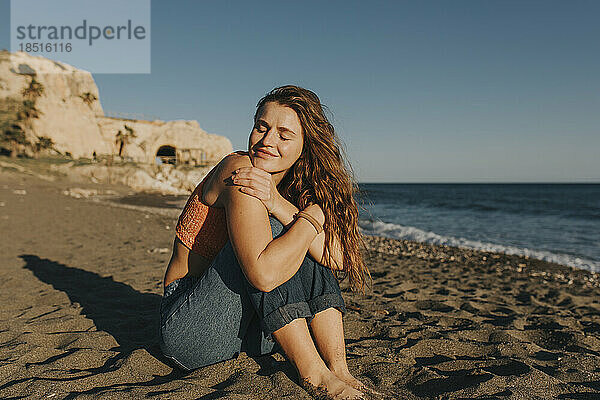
x: 262, y: 153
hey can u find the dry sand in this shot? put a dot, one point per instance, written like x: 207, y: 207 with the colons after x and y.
x: 80, y: 284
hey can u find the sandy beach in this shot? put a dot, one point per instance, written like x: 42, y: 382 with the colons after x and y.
x: 81, y: 281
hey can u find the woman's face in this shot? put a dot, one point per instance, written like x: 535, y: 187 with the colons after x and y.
x: 278, y: 132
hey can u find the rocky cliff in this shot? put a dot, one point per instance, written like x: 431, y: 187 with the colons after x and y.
x: 63, y: 115
x: 69, y: 112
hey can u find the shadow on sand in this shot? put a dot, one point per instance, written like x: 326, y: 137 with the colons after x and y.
x: 131, y: 317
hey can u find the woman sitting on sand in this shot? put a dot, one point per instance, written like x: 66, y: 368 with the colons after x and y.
x: 240, y: 277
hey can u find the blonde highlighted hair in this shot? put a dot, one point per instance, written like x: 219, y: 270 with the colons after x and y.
x: 323, y: 176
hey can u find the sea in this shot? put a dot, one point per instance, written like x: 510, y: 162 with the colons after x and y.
x: 552, y: 222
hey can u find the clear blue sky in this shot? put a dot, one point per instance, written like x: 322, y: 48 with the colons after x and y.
x: 420, y: 91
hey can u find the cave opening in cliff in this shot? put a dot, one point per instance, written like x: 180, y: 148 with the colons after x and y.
x: 166, y: 155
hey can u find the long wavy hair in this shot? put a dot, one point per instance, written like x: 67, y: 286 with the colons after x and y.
x: 323, y: 176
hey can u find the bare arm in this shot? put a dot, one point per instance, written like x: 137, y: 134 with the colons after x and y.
x: 177, y: 266
x: 285, y: 213
x: 184, y: 261
x: 266, y: 262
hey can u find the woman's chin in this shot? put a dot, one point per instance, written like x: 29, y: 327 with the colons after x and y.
x: 261, y: 163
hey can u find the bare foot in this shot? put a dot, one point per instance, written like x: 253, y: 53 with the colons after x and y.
x: 330, y: 387
x: 345, y: 375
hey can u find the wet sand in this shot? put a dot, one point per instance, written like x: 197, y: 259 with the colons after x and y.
x: 81, y: 279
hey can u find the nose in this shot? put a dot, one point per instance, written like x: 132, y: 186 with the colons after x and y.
x: 270, y: 138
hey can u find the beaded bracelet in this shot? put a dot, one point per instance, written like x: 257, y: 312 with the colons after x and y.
x: 303, y: 214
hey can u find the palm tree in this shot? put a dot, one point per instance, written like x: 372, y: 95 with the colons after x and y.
x: 14, y: 133
x: 130, y: 131
x: 124, y: 138
x: 28, y: 111
x: 35, y: 89
x: 42, y: 143
x: 120, y: 140
x: 13, y: 137
x: 88, y: 98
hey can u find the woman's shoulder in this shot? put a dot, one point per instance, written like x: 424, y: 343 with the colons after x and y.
x: 236, y: 159
x: 223, y: 171
x: 239, y: 154
x: 233, y: 161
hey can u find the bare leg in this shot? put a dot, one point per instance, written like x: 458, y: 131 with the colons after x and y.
x: 328, y: 333
x: 295, y: 340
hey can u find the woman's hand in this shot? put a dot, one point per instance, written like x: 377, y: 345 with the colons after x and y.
x: 258, y: 183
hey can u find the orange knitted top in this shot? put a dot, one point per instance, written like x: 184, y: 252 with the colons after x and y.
x: 201, y: 228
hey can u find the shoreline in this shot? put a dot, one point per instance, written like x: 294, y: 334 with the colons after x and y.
x: 156, y: 200
x: 81, y: 280
x: 170, y: 205
x: 386, y: 245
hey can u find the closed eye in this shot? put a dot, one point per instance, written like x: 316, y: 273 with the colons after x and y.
x: 260, y: 127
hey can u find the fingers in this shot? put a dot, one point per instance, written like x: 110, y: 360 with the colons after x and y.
x: 251, y: 176
x: 255, y: 182
x: 249, y: 186
x: 262, y: 196
x: 258, y: 185
x: 253, y: 171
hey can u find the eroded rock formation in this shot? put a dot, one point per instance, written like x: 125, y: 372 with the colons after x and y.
x: 69, y: 112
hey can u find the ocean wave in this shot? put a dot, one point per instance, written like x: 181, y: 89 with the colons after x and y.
x: 396, y: 231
